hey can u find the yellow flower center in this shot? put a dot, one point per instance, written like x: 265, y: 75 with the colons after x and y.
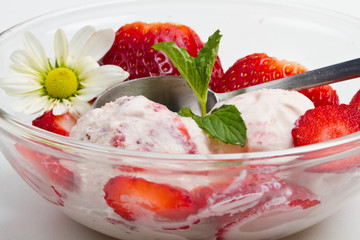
x: 61, y: 83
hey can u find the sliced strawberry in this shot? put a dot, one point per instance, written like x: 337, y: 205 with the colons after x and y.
x: 287, y: 199
x: 259, y: 68
x: 201, y: 196
x: 325, y: 123
x: 337, y: 166
x: 355, y: 100
x: 49, y: 167
x: 323, y: 95
x: 133, y: 198
x: 183, y: 136
x: 237, y: 192
x: 132, y: 49
x: 60, y: 124
x: 128, y: 168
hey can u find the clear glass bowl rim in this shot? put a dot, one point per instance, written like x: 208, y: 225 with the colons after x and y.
x: 10, y: 124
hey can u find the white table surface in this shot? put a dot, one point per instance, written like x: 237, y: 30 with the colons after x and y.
x: 25, y: 215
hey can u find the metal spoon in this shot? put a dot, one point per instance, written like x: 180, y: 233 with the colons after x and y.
x: 174, y: 92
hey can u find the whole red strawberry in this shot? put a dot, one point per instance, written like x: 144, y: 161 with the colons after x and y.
x: 325, y: 123
x: 259, y: 68
x: 132, y: 49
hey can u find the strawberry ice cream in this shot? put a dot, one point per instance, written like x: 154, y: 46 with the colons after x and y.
x: 136, y: 123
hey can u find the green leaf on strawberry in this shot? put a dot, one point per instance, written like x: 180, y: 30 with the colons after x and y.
x: 224, y: 123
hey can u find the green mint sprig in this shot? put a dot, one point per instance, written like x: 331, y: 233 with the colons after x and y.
x: 196, y: 71
x: 224, y: 123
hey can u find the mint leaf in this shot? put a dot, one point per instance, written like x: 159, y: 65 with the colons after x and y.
x: 196, y: 71
x: 181, y: 60
x: 224, y: 123
x: 186, y: 112
x: 205, y: 62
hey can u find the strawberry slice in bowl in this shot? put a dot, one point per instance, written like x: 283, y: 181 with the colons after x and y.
x: 325, y: 123
x: 59, y: 124
x: 273, y: 213
x: 134, y: 198
x: 50, y: 167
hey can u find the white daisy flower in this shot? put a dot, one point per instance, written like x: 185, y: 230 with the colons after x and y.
x: 67, y: 83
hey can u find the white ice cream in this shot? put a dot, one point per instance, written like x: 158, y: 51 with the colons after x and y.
x: 269, y: 115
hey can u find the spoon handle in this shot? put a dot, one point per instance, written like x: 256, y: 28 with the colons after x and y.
x: 314, y: 78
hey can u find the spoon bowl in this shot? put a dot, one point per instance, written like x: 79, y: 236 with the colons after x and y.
x: 175, y: 93
x: 171, y: 91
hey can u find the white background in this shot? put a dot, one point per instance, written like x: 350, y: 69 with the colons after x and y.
x: 25, y: 215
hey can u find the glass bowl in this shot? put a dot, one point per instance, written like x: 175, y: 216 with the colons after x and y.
x: 262, y: 195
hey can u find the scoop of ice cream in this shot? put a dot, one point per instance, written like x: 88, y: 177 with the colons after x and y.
x: 269, y: 115
x: 136, y: 123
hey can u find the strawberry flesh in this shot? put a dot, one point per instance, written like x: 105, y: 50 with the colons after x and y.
x: 59, y: 124
x: 323, y: 95
x: 49, y: 166
x: 342, y: 165
x: 287, y: 198
x: 325, y: 123
x: 355, y: 100
x: 133, y: 198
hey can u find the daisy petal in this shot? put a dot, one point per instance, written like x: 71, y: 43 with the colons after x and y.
x: 105, y: 76
x: 60, y: 108
x: 21, y: 78
x: 19, y: 84
x: 30, y: 104
x: 87, y: 94
x: 19, y: 105
x: 99, y: 43
x: 37, y: 105
x: 23, y: 69
x: 19, y: 57
x: 79, y: 107
x: 36, y: 51
x: 50, y: 104
x: 21, y: 62
x: 61, y: 48
x: 77, y: 42
x: 85, y: 65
